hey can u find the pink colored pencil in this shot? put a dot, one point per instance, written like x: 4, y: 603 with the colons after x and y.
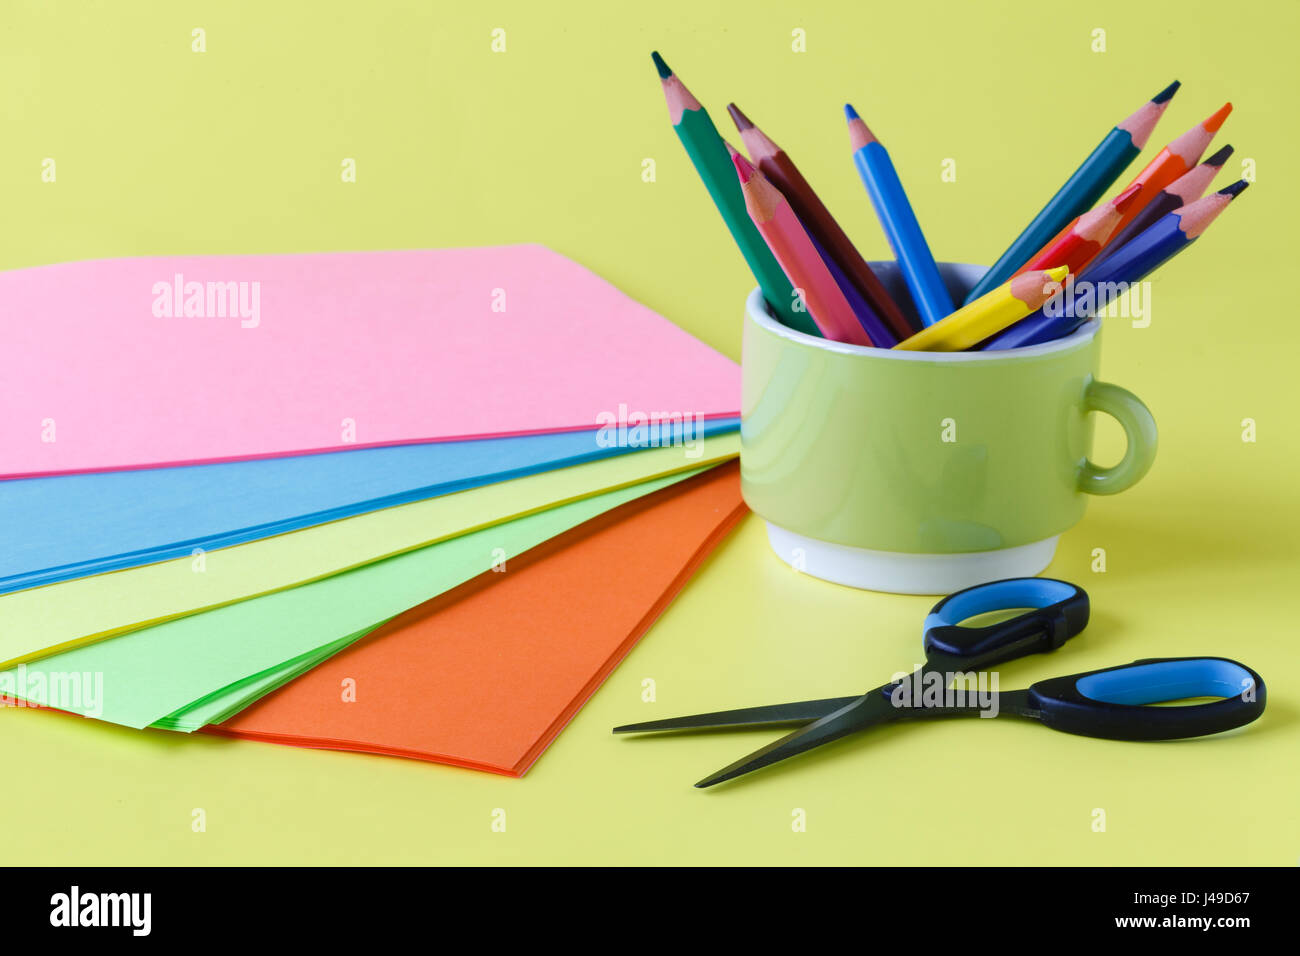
x: 797, y: 255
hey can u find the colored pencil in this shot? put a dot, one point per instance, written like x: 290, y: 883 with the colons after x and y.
x: 1188, y: 187
x: 708, y: 154
x: 1082, y: 240
x: 1081, y: 191
x: 794, y: 250
x: 879, y: 333
x: 1173, y: 161
x: 893, y: 210
x: 776, y: 164
x: 989, y: 314
x: 1110, y: 276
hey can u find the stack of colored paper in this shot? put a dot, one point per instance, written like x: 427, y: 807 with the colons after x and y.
x: 222, y: 477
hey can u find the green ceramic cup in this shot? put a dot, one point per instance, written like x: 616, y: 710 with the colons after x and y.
x: 925, y: 472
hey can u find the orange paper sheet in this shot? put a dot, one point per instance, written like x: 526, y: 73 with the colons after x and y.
x: 487, y: 675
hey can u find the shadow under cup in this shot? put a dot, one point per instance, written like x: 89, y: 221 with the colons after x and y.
x: 925, y: 472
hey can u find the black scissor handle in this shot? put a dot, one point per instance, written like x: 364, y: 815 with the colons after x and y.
x: 1059, y: 611
x: 1110, y: 702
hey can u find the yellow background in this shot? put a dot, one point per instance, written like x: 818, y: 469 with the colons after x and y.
x: 161, y: 150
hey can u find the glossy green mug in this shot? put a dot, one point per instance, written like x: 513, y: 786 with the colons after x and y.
x: 925, y: 472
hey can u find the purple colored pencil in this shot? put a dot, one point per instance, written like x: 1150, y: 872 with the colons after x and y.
x: 882, y: 337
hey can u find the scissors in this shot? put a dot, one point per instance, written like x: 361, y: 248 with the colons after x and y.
x: 1105, y: 703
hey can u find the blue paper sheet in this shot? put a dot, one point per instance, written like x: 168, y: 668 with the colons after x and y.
x: 70, y: 526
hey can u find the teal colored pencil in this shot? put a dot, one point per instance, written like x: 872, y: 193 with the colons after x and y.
x: 1082, y: 190
x: 901, y: 228
x: 707, y: 151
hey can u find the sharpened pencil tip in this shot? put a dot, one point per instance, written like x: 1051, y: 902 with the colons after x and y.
x: 1235, y: 189
x: 850, y: 113
x: 1167, y: 94
x: 660, y: 65
x: 1219, y: 158
x: 1216, y: 119
x: 740, y: 119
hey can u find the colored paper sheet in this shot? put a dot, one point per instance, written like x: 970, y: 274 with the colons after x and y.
x: 68, y: 614
x: 126, y: 363
x: 486, y: 676
x: 141, y: 677
x: 231, y: 700
x: 69, y: 526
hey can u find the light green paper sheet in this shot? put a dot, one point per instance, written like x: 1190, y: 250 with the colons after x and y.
x: 59, y: 617
x: 149, y: 674
x: 229, y: 701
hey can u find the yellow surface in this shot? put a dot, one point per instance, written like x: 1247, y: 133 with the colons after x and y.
x: 161, y: 150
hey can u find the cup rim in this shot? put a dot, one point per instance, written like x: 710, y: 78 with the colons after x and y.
x: 756, y: 309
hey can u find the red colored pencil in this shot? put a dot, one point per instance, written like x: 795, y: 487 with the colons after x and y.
x: 1080, y: 241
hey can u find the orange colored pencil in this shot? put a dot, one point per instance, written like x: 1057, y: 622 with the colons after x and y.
x: 1081, y: 241
x: 799, y: 259
x: 1173, y: 161
x: 1186, y: 189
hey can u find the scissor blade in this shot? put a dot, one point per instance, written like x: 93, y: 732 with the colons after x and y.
x: 773, y: 715
x: 861, y: 713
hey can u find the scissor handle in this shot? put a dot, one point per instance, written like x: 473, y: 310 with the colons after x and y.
x: 1059, y: 611
x: 1110, y: 702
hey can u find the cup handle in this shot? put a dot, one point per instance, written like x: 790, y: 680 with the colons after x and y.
x: 1140, y: 430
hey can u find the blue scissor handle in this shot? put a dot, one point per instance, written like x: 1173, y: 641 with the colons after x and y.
x: 1059, y: 611
x: 1109, y: 702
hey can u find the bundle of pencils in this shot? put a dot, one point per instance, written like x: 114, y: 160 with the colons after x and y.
x: 1040, y: 289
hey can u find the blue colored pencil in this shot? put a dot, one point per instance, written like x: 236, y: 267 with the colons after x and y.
x: 1081, y: 191
x: 1111, y: 275
x: 901, y: 228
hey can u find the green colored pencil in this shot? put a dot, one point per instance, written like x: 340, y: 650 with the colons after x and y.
x: 712, y: 161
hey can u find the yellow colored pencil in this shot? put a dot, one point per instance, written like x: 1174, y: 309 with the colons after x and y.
x: 989, y: 314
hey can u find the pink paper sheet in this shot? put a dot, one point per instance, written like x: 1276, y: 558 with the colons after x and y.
x: 407, y: 346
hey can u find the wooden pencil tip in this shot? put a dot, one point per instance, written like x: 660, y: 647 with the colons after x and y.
x: 1195, y: 217
x: 860, y: 134
x: 740, y: 119
x: 1035, y: 288
x: 1219, y: 158
x: 1167, y: 94
x: 1216, y: 119
x: 660, y: 65
x: 731, y: 150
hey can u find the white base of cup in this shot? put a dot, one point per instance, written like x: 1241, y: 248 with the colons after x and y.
x: 901, y: 573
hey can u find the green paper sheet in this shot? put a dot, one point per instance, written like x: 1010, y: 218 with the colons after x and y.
x: 144, y: 676
x: 59, y: 617
x: 229, y: 701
